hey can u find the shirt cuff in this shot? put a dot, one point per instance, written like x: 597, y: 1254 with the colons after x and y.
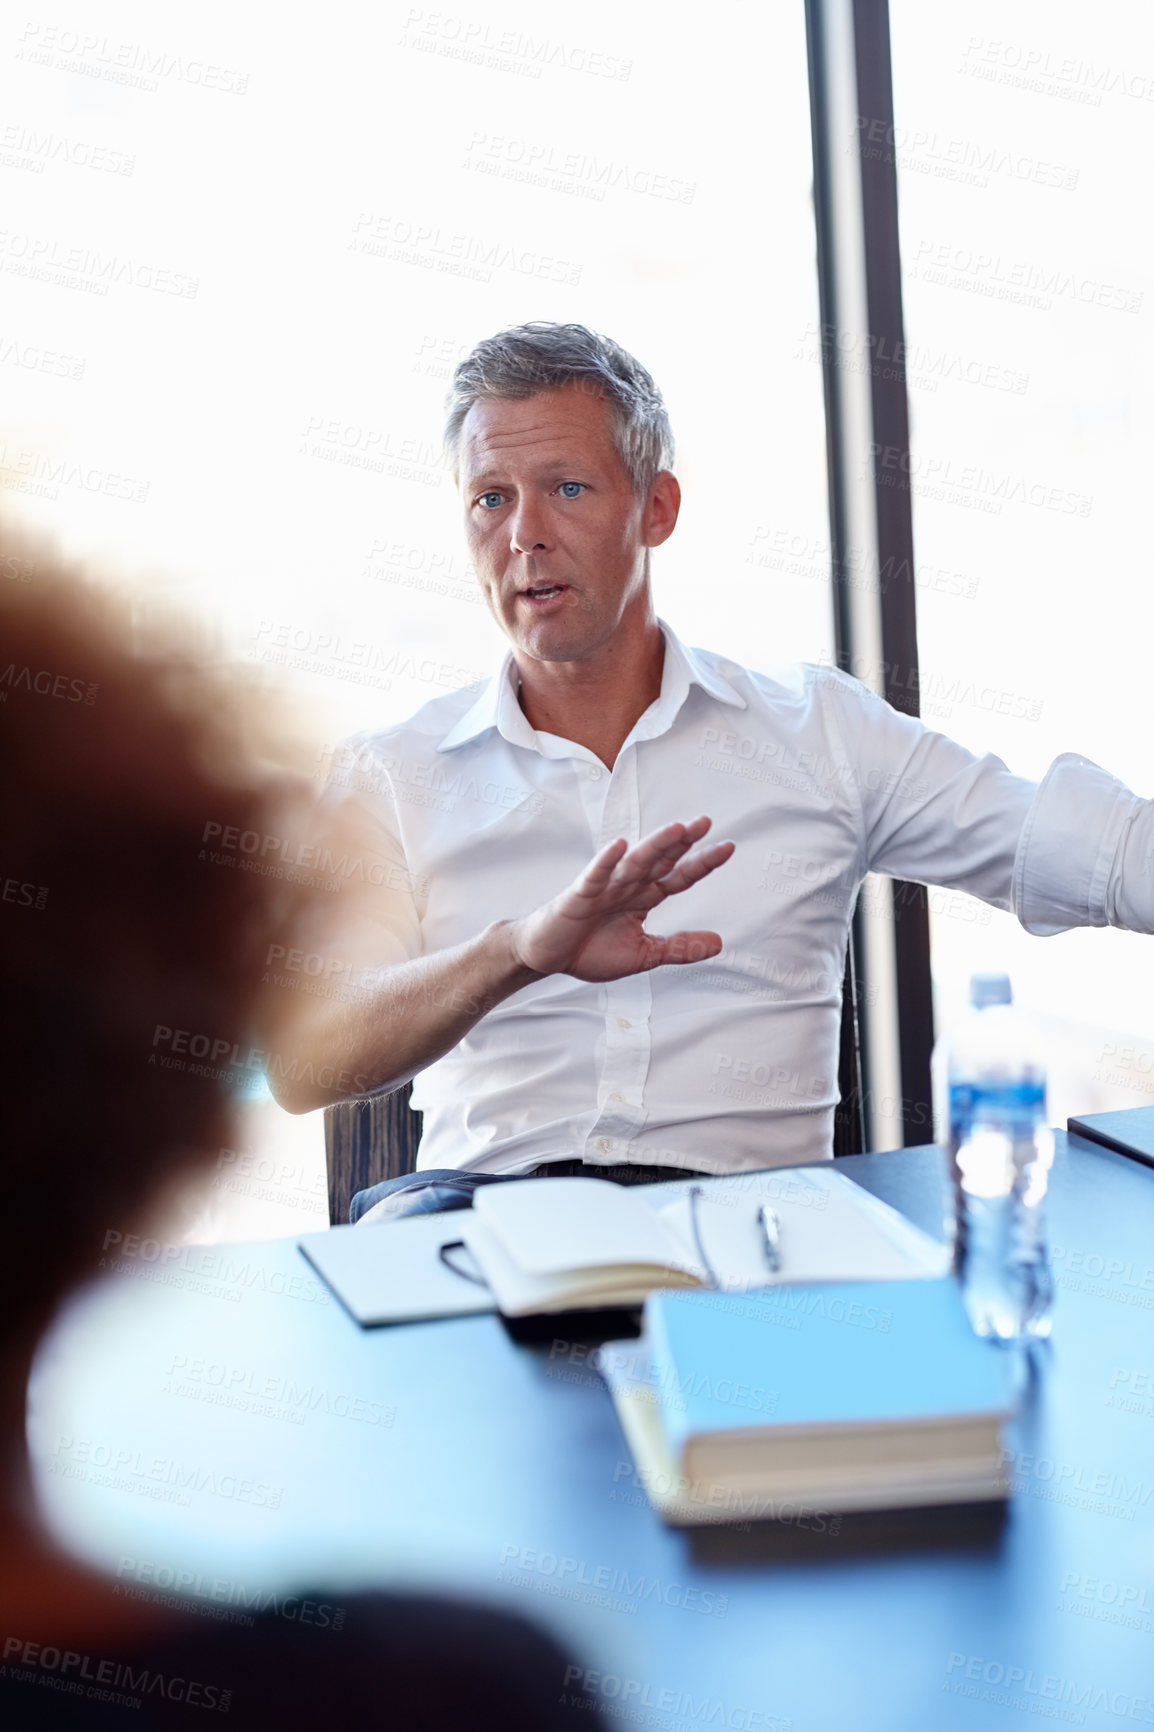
x: 1074, y: 849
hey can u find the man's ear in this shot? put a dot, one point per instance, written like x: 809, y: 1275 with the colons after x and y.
x: 661, y: 508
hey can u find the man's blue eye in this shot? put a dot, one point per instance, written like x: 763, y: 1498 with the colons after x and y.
x: 571, y: 489
x: 491, y: 500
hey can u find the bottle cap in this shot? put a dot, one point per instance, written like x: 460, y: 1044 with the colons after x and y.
x: 987, y: 989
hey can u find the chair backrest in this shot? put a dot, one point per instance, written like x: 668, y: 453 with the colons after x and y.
x: 374, y: 1139
x: 849, y: 1136
x: 367, y: 1141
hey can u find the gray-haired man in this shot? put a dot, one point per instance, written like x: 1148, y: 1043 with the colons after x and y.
x: 512, y: 975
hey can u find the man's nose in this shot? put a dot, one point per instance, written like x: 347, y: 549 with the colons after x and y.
x: 529, y: 530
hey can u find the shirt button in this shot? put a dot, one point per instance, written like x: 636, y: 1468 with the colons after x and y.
x: 604, y: 1144
x: 616, y: 1096
x: 624, y: 1022
x: 594, y: 773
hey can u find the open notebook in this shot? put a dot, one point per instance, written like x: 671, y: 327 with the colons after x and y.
x: 560, y: 1244
x: 544, y: 1246
x: 564, y: 1244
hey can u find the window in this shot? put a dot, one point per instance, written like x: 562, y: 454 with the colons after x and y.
x: 1027, y: 272
x: 242, y: 258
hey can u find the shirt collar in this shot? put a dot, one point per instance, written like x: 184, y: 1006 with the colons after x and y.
x: 497, y: 707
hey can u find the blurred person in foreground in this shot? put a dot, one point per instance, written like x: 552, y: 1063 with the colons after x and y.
x: 112, y: 922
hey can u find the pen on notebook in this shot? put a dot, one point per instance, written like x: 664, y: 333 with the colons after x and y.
x: 771, y: 1234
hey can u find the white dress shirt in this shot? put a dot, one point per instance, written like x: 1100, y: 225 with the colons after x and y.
x: 471, y: 816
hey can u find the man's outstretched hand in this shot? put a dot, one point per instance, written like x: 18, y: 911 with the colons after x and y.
x: 595, y: 930
x: 421, y: 1008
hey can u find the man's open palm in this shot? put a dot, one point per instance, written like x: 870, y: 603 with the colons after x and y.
x: 595, y: 930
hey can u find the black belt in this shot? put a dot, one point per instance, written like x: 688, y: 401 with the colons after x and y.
x: 623, y: 1173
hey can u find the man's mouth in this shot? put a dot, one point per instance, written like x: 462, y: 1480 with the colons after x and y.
x: 543, y: 591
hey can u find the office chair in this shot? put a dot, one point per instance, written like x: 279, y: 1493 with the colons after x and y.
x: 849, y: 1135
x: 367, y: 1141
x: 374, y: 1139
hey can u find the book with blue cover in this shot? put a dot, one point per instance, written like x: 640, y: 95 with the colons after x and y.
x: 839, y: 1396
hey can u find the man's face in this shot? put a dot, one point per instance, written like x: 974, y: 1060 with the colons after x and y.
x: 557, y: 535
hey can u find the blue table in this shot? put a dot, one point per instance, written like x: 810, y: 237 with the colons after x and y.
x: 217, y: 1419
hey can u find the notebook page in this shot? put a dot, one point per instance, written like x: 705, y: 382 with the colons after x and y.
x: 549, y: 1227
x: 830, y: 1230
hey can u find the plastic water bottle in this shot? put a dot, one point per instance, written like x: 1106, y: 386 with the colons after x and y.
x: 1000, y: 1151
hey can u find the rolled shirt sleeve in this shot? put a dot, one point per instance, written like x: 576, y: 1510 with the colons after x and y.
x: 1076, y: 849
x: 1086, y: 857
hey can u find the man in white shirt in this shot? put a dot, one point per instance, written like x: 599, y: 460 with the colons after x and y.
x: 545, y: 946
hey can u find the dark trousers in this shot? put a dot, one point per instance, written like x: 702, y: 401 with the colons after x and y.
x: 441, y: 1188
